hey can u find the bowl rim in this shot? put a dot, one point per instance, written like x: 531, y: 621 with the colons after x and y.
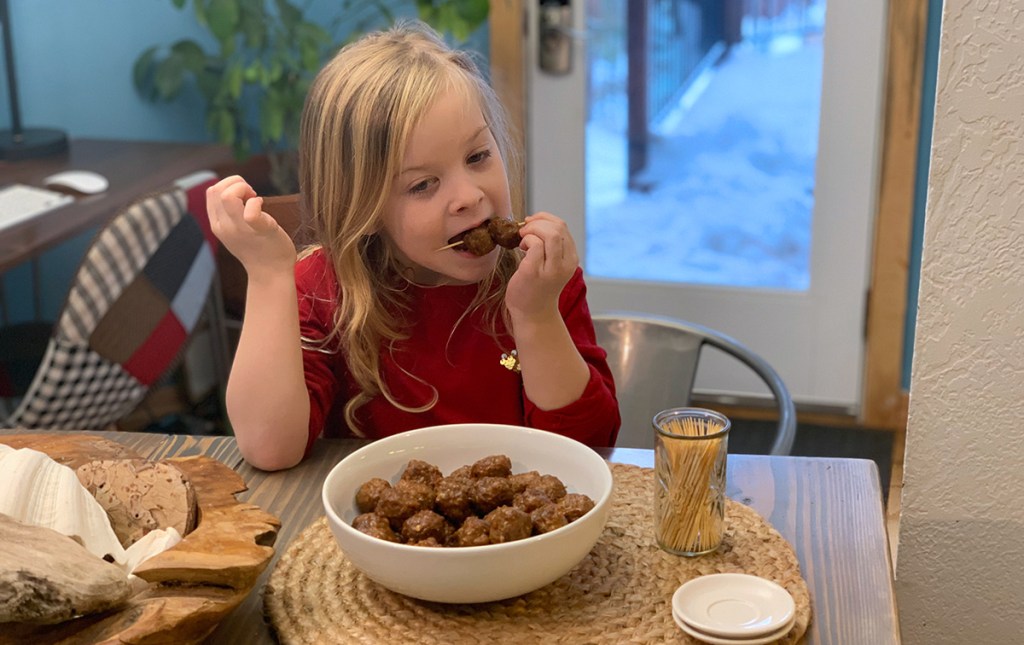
x: 335, y: 518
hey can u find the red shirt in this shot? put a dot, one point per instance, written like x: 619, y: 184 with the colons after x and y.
x: 464, y: 367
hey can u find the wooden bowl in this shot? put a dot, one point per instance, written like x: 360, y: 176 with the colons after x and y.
x: 197, y: 582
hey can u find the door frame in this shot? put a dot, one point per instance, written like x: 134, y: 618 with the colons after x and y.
x: 884, y: 401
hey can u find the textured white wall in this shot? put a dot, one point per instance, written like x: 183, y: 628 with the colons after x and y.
x: 961, y: 547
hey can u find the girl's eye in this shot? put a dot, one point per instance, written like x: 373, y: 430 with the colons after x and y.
x: 478, y: 157
x: 420, y: 187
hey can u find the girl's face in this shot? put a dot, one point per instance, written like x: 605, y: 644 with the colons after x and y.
x: 451, y: 179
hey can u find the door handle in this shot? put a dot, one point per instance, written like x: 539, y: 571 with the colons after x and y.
x: 555, y: 36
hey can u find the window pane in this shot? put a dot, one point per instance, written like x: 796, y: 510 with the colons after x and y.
x: 724, y: 140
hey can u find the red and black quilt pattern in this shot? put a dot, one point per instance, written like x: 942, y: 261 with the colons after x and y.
x: 135, y: 300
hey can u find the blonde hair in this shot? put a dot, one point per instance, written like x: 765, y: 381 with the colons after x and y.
x: 359, y: 113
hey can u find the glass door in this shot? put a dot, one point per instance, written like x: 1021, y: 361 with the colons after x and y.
x: 717, y: 162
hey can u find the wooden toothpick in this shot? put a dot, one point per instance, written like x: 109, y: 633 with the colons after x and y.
x: 449, y: 246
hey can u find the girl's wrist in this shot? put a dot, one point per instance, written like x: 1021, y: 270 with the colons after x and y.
x: 528, y: 323
x: 270, y: 278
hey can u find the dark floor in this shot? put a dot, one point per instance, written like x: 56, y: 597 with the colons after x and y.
x: 755, y: 437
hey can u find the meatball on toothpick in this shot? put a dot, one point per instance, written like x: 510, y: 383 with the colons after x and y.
x: 481, y: 240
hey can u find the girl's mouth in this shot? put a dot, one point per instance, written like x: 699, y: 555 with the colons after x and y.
x: 458, y: 237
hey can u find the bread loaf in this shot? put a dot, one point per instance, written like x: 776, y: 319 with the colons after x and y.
x: 141, y: 495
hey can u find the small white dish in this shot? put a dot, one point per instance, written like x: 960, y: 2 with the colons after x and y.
x: 704, y: 637
x: 733, y: 605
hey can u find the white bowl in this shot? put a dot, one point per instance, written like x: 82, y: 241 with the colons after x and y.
x: 476, y: 573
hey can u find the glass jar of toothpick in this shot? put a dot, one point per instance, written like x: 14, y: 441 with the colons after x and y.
x: 690, y: 448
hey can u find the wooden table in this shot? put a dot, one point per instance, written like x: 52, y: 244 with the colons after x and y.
x: 829, y: 509
x: 133, y: 168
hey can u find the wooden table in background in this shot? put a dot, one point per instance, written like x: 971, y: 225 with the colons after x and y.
x: 133, y: 168
x: 830, y: 510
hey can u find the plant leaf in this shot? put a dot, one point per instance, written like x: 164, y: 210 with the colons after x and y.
x: 288, y: 14
x: 192, y: 55
x: 271, y: 118
x: 223, y: 17
x: 169, y: 76
x: 142, y: 74
x: 254, y: 24
x: 253, y: 72
x: 234, y: 76
x: 475, y: 12
x: 224, y: 126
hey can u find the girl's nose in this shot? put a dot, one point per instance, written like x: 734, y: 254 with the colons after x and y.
x: 466, y: 194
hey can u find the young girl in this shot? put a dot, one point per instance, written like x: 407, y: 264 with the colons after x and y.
x: 404, y: 147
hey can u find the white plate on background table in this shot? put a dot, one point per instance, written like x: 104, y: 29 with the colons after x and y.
x: 736, y: 606
x: 763, y: 639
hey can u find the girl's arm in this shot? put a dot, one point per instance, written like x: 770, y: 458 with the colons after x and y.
x: 554, y: 373
x: 266, y: 397
x: 592, y: 419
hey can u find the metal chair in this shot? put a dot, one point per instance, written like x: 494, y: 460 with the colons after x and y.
x: 654, y: 361
x: 132, y: 306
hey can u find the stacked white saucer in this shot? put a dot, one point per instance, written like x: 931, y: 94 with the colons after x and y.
x: 733, y: 609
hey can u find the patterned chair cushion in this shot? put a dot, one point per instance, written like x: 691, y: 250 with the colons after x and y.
x: 133, y: 305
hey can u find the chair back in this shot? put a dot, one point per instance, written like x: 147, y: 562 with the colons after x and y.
x: 287, y: 211
x: 131, y: 308
x: 654, y: 361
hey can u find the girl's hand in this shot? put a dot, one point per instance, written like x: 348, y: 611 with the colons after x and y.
x: 550, y: 261
x: 252, y: 236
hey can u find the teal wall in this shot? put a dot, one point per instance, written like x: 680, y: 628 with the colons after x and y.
x: 74, y: 64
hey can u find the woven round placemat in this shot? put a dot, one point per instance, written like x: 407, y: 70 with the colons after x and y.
x: 620, y: 593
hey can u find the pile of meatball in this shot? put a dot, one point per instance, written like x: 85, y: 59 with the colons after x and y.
x: 475, y: 505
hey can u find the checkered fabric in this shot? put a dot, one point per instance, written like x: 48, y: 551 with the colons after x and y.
x: 134, y: 302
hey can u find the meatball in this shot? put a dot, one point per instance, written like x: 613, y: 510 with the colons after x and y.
x: 369, y: 493
x: 509, y: 524
x: 575, y: 506
x: 423, y: 494
x: 463, y: 472
x: 493, y: 466
x: 504, y: 232
x: 402, y: 500
x: 530, y: 500
x: 473, y: 532
x: 488, y: 493
x: 430, y: 541
x: 453, y: 498
x: 478, y: 241
x: 548, y: 518
x: 550, y: 486
x: 425, y: 524
x: 421, y: 471
x: 375, y: 525
x: 522, y: 481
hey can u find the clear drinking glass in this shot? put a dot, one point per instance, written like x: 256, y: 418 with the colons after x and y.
x: 690, y: 447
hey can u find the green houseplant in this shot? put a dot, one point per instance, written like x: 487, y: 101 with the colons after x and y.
x: 266, y: 53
